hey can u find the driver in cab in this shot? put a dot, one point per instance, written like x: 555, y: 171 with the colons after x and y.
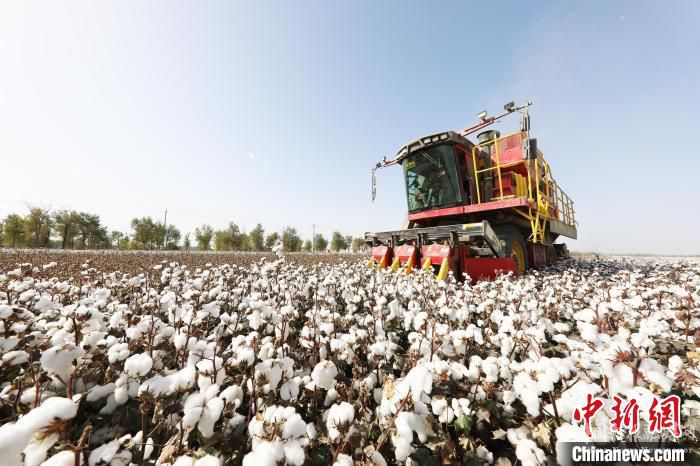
x: 432, y: 191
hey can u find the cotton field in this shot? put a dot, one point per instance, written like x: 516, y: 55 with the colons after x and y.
x: 291, y: 362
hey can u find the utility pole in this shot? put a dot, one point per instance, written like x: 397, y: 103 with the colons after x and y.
x: 313, y: 238
x: 165, y: 229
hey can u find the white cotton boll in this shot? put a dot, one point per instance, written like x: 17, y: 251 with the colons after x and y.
x: 588, y: 332
x: 15, y: 436
x: 528, y: 392
x: 585, y: 315
x: 528, y: 453
x: 271, y: 371
x: 324, y: 374
x: 180, y: 340
x: 290, y: 389
x: 310, y: 431
x: 208, y: 460
x: 340, y: 416
x: 331, y: 396
x: 402, y: 447
x: 184, y: 460
x: 478, y: 336
x: 343, y: 460
x: 232, y: 395
x: 490, y: 369
x: 655, y: 373
x: 294, y: 426
x: 460, y: 406
x: 568, y: 433
x: 294, y: 453
x: 58, y: 361
x: 138, y: 365
x: 440, y: 408
x: 264, y: 454
x: 118, y: 352
x: 159, y: 385
x: 5, y: 311
x: 561, y: 327
x: 100, y: 391
x: 675, y: 363
x: 63, y: 458
x: 110, y: 453
x: 193, y: 409
x: 377, y: 459
x: 409, y: 422
x: 209, y: 416
x: 483, y: 453
x: 148, y: 450
x: 13, y: 358
x: 516, y: 435
x: 420, y: 381
x: 254, y: 319
x: 571, y: 398
x: 37, y: 450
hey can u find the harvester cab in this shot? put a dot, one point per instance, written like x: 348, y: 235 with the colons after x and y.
x: 476, y: 209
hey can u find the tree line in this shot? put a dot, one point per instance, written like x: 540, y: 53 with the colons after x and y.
x: 70, y: 229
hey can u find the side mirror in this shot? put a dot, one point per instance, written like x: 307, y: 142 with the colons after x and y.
x: 531, y: 149
x: 525, y: 123
x: 374, y: 184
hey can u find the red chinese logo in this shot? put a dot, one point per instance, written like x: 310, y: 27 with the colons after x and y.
x: 626, y: 416
x: 663, y: 415
x: 668, y: 417
x: 587, y: 412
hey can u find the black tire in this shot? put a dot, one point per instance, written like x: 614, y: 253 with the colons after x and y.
x: 514, y: 241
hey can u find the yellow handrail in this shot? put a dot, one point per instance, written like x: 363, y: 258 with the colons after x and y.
x: 550, y: 203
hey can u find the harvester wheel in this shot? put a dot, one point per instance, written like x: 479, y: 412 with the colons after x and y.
x: 514, y: 246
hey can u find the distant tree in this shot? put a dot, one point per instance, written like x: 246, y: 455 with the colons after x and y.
x: 290, y: 240
x: 172, y: 238
x: 144, y: 233
x: 13, y: 231
x: 307, y: 245
x: 90, y: 232
x: 348, y: 241
x: 271, y: 239
x: 203, y: 235
x: 65, y: 225
x: 186, y: 243
x: 320, y: 243
x: 222, y: 240
x: 38, y: 224
x: 246, y: 243
x: 358, y: 245
x: 2, y: 237
x: 257, y: 238
x: 115, y: 238
x: 338, y: 242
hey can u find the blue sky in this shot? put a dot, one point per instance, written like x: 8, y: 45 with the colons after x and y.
x: 275, y: 111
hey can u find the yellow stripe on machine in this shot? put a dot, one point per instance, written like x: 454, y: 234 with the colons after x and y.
x: 409, y: 266
x: 396, y: 264
x: 444, y: 268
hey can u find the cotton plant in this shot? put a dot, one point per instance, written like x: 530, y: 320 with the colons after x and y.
x: 277, y: 361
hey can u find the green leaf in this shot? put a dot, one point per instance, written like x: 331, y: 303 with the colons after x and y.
x: 464, y: 423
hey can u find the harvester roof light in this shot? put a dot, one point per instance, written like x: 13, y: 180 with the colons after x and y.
x: 509, y: 107
x: 481, y: 115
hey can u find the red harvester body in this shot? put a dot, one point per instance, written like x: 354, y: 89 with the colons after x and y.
x: 478, y: 209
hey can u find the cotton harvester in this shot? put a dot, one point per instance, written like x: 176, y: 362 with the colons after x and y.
x: 480, y: 209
